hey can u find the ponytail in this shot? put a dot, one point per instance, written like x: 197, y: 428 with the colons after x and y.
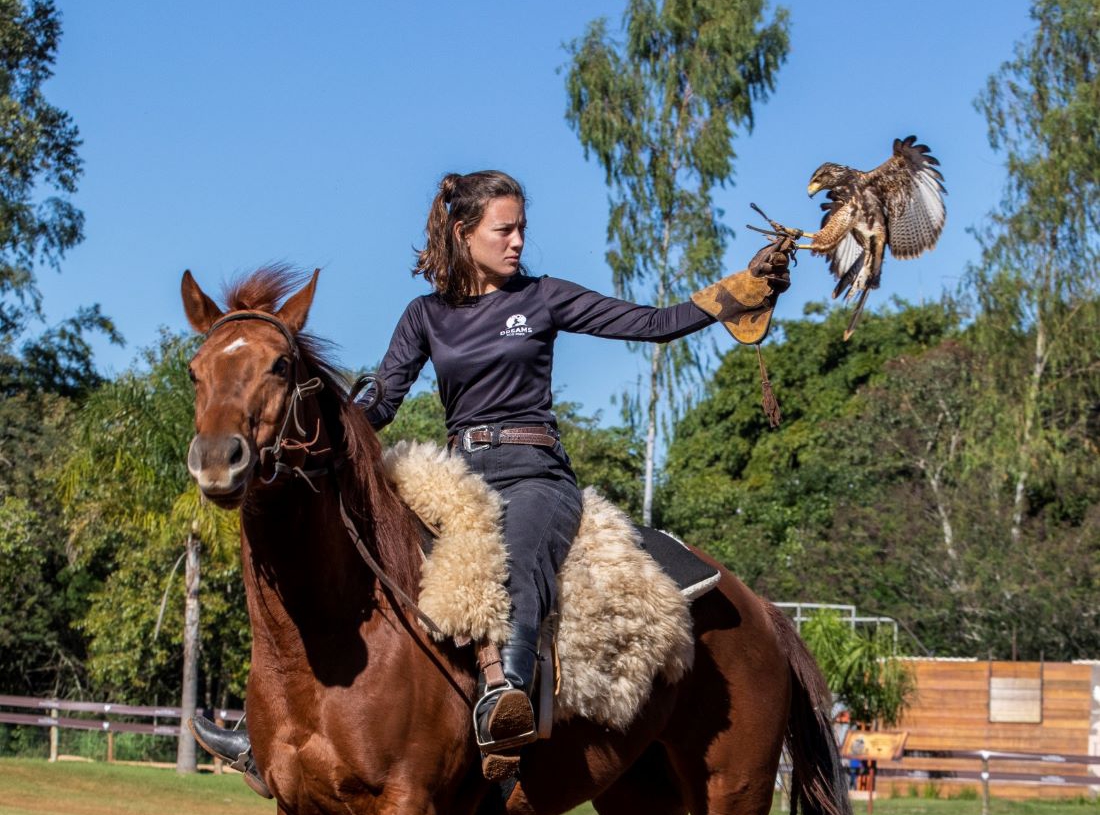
x: 445, y: 262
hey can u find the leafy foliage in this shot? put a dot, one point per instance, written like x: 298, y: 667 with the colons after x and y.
x: 129, y: 507
x: 764, y: 501
x: 659, y: 111
x: 861, y: 668
x: 39, y: 650
x: 38, y: 146
x: 880, y: 490
x: 1037, y: 283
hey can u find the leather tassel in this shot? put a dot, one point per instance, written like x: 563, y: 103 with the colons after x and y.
x: 771, y: 406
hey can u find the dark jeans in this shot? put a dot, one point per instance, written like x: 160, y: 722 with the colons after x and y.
x: 542, y: 512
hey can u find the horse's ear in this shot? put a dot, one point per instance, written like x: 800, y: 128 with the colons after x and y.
x: 201, y: 311
x: 295, y: 310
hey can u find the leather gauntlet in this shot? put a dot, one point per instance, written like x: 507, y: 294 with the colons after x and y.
x: 744, y: 301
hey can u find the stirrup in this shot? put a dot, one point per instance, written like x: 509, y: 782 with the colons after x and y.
x: 505, y: 706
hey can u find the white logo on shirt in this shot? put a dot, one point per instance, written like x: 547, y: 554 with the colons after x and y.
x: 515, y: 326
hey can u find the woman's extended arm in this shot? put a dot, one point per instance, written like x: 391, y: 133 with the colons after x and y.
x: 582, y: 311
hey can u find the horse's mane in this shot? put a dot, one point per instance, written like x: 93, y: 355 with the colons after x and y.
x: 368, y: 494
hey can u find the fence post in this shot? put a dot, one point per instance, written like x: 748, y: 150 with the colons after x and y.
x: 110, y: 746
x: 218, y: 763
x: 985, y: 784
x: 53, y: 735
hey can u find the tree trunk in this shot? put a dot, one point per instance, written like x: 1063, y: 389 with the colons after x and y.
x: 186, y: 761
x: 651, y: 434
x: 1031, y: 412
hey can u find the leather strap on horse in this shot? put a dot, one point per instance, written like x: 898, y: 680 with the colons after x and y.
x: 375, y: 567
x: 490, y: 664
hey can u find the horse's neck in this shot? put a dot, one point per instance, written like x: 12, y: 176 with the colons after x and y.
x: 299, y: 565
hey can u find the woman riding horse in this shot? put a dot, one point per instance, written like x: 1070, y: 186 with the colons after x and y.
x: 334, y: 658
x: 489, y: 329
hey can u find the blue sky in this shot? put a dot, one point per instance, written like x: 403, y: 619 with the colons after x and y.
x: 222, y: 135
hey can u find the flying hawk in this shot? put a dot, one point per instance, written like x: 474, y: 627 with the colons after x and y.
x: 898, y: 204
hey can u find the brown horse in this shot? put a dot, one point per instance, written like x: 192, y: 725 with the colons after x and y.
x: 352, y: 708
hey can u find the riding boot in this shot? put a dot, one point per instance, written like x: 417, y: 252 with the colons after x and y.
x: 503, y: 717
x: 232, y: 747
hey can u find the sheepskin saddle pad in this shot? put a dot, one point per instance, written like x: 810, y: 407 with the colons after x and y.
x: 622, y: 622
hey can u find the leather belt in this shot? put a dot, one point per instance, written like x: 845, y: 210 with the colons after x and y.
x: 485, y: 436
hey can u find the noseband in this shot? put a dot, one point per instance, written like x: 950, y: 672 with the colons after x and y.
x: 298, y: 392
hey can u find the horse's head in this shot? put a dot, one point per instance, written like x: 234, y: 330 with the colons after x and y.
x: 246, y: 374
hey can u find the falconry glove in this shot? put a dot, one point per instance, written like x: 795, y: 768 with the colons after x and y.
x: 744, y: 301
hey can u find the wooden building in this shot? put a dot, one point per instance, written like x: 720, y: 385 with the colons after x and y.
x: 1021, y: 707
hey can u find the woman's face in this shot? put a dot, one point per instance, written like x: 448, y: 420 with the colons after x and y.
x: 497, y: 243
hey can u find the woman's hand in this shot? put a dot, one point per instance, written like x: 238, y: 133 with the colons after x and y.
x: 743, y: 301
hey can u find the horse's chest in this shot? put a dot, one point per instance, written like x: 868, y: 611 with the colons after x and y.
x: 312, y: 775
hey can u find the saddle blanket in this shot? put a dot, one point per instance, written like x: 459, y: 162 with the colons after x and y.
x: 623, y: 620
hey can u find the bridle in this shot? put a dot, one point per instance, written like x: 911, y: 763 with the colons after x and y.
x: 299, y: 392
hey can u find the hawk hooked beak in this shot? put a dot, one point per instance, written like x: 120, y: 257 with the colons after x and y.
x: 813, y: 188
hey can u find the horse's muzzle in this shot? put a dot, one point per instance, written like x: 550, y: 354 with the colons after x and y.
x: 221, y: 466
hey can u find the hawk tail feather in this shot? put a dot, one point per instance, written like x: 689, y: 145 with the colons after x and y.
x: 844, y: 280
x: 856, y: 313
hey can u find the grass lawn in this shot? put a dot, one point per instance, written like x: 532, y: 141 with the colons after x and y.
x: 36, y: 787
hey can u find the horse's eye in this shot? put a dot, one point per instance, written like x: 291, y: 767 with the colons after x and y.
x: 191, y: 373
x: 280, y: 367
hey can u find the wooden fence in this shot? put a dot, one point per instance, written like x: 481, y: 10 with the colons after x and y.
x: 106, y: 720
x: 1032, y: 727
x: 1037, y: 770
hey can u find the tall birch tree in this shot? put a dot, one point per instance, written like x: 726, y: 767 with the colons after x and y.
x: 1039, y: 270
x: 659, y: 111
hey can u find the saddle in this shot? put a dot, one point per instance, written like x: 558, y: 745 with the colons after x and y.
x: 624, y: 591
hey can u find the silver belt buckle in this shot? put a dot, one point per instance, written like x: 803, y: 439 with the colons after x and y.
x: 473, y: 447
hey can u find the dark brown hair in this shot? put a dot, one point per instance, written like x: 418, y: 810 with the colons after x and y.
x: 445, y: 262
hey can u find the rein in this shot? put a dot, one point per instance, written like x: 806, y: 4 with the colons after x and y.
x: 298, y: 393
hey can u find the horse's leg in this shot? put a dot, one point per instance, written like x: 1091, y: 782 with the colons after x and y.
x: 726, y: 735
x: 584, y: 759
x: 649, y: 786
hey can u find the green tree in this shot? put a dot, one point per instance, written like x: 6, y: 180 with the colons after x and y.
x: 659, y: 111
x: 1036, y: 284
x: 130, y: 505
x: 38, y: 156
x: 766, y: 504
x: 40, y: 374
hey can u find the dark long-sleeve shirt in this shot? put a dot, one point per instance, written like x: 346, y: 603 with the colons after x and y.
x: 494, y: 354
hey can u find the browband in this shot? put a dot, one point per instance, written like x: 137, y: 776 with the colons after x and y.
x: 234, y: 316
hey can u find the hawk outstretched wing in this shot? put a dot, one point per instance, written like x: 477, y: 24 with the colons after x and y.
x: 898, y: 204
